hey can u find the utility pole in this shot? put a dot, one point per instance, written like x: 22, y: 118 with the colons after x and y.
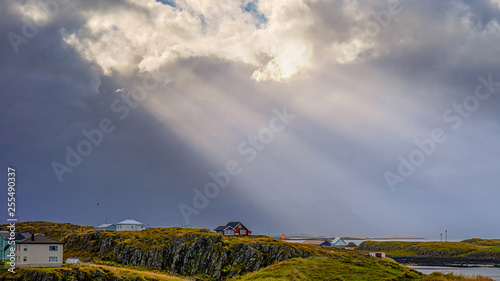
x: 446, y: 236
x: 441, y: 237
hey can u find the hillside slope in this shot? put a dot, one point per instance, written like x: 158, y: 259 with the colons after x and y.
x: 354, y: 268
x: 83, y: 273
x: 471, y: 251
x: 347, y: 268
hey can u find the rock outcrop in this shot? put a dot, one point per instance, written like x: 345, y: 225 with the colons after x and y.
x: 202, y: 255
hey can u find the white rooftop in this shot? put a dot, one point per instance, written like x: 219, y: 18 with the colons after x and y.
x: 105, y: 225
x: 130, y: 222
x: 336, y: 240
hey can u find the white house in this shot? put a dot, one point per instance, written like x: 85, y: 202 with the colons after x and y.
x: 106, y: 226
x: 39, y: 251
x: 338, y: 242
x: 130, y: 225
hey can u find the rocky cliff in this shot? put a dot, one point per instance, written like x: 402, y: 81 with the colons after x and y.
x: 197, y: 253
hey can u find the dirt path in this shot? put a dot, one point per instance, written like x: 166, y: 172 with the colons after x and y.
x: 145, y: 273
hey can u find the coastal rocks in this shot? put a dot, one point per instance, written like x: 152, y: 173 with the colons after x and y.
x: 197, y: 255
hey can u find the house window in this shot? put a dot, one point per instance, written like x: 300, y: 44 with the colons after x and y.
x: 52, y: 248
x: 228, y: 232
x: 52, y: 259
x: 243, y: 231
x: 132, y: 226
x: 25, y: 248
x: 25, y: 259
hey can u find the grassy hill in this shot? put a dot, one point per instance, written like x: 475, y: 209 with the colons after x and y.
x: 349, y: 269
x: 86, y: 272
x: 322, y: 268
x: 50, y: 229
x: 471, y: 248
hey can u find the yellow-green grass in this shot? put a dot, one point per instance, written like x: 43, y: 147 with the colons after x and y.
x: 437, y: 276
x: 324, y: 268
x: 483, y: 242
x: 346, y: 268
x: 432, y: 249
x: 160, y: 237
x: 82, y: 241
x: 154, y: 237
x: 95, y: 272
x: 50, y: 229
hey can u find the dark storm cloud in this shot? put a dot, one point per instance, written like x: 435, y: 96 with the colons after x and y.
x: 49, y: 96
x: 355, y: 115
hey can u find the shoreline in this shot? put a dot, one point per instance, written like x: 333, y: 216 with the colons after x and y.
x: 441, y: 261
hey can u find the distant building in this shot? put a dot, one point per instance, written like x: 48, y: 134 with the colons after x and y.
x: 317, y: 242
x: 106, y: 226
x: 338, y: 242
x: 233, y: 228
x: 4, y: 242
x: 377, y: 254
x: 351, y: 245
x: 39, y: 251
x: 130, y: 225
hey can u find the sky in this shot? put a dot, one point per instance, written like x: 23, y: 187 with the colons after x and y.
x: 302, y: 116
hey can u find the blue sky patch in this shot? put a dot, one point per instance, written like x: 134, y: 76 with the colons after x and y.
x: 168, y: 2
x: 251, y: 8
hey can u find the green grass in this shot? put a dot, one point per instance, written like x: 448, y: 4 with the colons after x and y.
x: 50, y: 229
x: 355, y: 268
x: 90, y: 272
x: 435, y: 249
x: 155, y: 237
x: 161, y: 237
x: 483, y: 242
x: 322, y: 268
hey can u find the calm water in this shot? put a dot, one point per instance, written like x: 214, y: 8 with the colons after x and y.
x: 492, y: 272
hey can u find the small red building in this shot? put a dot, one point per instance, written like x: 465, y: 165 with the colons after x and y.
x: 233, y: 228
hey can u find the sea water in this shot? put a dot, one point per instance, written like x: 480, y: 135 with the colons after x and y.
x: 487, y: 271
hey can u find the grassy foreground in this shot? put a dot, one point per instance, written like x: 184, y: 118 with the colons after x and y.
x: 326, y: 269
x: 86, y: 272
x: 322, y: 268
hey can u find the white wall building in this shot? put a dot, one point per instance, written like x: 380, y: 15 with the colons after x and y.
x: 130, y: 225
x: 39, y: 251
x: 338, y: 243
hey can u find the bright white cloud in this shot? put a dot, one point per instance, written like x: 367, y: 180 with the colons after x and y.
x: 125, y: 39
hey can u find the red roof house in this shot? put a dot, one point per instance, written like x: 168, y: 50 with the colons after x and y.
x: 233, y: 228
